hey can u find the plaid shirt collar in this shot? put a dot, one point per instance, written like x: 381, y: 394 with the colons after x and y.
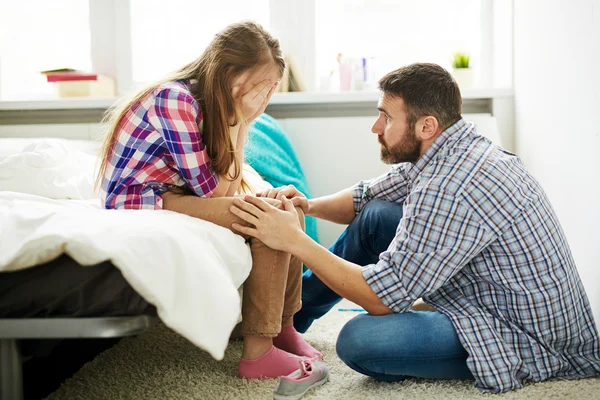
x: 454, y: 131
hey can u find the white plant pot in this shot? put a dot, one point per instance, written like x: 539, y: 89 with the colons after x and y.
x: 464, y: 77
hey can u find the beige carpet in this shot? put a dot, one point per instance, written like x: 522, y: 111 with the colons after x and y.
x: 162, y: 365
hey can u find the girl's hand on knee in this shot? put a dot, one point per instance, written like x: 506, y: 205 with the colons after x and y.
x: 290, y: 192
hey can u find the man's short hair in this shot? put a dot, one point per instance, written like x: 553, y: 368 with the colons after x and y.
x: 427, y: 89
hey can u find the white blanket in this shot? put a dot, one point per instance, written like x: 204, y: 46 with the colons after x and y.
x: 188, y: 268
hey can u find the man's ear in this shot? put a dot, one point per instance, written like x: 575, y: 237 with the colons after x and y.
x: 427, y: 127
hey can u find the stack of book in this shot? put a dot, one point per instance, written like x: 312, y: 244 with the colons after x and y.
x: 73, y: 83
x: 291, y: 81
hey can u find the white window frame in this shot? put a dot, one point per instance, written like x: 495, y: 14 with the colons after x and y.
x: 292, y: 21
x: 110, y: 32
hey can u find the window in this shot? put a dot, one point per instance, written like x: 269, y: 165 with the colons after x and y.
x: 396, y: 32
x: 167, y: 35
x: 36, y: 35
x: 139, y: 41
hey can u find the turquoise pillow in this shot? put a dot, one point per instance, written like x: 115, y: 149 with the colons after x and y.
x: 270, y: 152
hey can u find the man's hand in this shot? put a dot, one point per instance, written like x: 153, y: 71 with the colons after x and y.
x: 290, y: 192
x: 281, y: 230
x: 276, y: 228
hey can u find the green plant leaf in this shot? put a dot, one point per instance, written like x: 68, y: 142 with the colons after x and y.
x: 461, y: 60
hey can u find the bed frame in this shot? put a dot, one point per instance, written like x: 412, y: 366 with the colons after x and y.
x: 11, y: 330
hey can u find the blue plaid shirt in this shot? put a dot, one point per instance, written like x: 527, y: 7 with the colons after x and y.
x: 480, y: 242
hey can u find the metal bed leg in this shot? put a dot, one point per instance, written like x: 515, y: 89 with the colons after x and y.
x: 11, y: 380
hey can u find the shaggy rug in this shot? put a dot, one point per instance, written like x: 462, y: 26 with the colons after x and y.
x: 160, y: 364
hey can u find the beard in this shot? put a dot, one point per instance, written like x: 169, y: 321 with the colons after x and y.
x: 408, y: 150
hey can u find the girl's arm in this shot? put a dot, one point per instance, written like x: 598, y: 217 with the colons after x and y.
x: 226, y: 187
x: 174, y: 115
x: 253, y: 103
x: 240, y: 141
x: 222, y: 187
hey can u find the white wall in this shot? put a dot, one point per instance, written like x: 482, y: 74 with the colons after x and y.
x: 335, y: 153
x: 557, y: 103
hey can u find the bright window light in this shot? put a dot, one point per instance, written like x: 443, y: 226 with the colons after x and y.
x: 36, y: 35
x: 396, y: 32
x: 167, y: 35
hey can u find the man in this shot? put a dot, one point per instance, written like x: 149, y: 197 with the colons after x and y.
x: 457, y: 222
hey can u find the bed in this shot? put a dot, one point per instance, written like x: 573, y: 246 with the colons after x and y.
x: 189, y: 270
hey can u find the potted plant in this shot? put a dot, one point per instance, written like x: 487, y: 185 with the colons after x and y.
x: 462, y: 71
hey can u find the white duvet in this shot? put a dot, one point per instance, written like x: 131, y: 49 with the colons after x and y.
x: 188, y: 268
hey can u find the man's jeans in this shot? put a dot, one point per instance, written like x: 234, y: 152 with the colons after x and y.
x: 415, y: 343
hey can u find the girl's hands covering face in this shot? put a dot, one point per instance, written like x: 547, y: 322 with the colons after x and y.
x: 253, y: 89
x: 253, y: 100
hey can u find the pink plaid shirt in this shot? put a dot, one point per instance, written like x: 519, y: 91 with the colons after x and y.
x: 159, y: 145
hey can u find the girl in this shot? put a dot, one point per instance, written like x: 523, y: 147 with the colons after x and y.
x: 179, y: 144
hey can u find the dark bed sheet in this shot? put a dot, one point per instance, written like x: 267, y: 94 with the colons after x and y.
x: 64, y: 288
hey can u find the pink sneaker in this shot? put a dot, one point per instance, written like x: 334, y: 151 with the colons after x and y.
x: 295, y: 385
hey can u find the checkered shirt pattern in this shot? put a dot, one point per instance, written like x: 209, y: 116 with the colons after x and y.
x: 159, y: 145
x: 480, y: 241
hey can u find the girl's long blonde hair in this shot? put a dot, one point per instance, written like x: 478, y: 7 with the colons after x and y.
x: 239, y: 47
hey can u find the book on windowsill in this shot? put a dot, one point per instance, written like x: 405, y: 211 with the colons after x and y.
x: 70, y: 76
x: 73, y: 83
x: 291, y: 81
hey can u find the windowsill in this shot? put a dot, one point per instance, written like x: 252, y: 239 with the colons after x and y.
x: 300, y: 98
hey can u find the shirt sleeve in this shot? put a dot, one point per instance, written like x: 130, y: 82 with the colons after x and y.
x: 391, y: 186
x: 436, y: 237
x: 175, y: 116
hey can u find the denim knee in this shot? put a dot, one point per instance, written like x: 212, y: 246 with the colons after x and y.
x: 378, y: 222
x: 377, y: 212
x: 351, y: 342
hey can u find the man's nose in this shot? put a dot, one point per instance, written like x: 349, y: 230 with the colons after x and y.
x: 375, y: 128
